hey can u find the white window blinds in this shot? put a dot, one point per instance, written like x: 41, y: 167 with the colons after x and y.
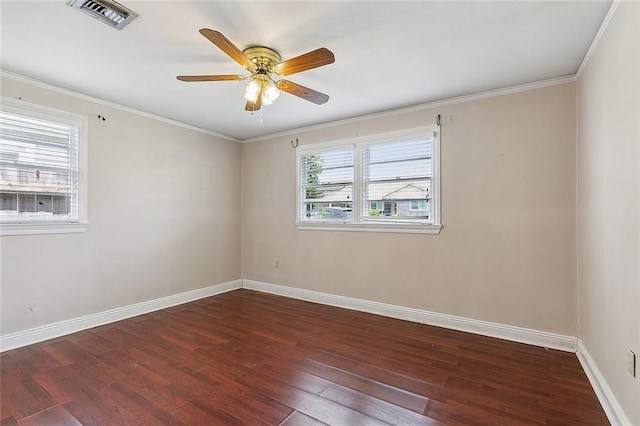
x: 397, y: 180
x: 39, y: 169
x: 385, y: 182
x: 326, y: 185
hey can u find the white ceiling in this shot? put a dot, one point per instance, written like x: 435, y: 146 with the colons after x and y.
x: 388, y: 54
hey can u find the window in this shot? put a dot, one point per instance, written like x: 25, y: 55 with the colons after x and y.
x: 42, y: 170
x: 327, y: 181
x: 375, y: 208
x: 386, y: 183
x: 422, y: 205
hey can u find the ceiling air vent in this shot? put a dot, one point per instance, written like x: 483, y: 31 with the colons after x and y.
x: 111, y: 13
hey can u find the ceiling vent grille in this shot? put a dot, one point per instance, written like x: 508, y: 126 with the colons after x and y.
x: 111, y: 13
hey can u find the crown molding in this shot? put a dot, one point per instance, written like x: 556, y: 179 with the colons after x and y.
x: 421, y: 107
x: 47, y: 86
x: 596, y: 39
x: 389, y: 113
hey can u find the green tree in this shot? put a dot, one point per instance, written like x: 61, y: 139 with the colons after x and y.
x: 313, y: 165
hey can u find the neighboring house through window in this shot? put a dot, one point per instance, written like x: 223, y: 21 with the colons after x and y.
x: 42, y: 170
x: 387, y: 182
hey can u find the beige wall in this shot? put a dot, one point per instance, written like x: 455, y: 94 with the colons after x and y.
x: 164, y: 206
x: 609, y: 204
x: 506, y: 252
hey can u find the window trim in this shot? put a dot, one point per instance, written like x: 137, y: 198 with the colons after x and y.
x: 359, y: 144
x: 40, y: 226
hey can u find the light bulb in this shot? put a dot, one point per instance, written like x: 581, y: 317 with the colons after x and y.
x: 252, y: 91
x: 270, y: 92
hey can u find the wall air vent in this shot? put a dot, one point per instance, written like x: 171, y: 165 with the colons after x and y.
x: 108, y: 11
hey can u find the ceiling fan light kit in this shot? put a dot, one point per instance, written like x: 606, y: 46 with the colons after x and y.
x: 263, y: 62
x: 261, y: 84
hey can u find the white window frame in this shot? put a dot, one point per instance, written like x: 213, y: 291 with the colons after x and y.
x: 360, y: 223
x: 39, y: 227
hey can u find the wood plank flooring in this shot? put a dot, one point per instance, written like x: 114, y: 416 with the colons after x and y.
x: 245, y: 357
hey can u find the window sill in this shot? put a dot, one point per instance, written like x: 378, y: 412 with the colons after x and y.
x: 7, y: 229
x: 368, y: 227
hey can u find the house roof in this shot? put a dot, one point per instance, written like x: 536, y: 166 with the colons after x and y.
x: 407, y: 192
x: 387, y: 191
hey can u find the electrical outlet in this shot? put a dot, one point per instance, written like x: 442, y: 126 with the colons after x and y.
x: 631, y: 363
x: 276, y: 264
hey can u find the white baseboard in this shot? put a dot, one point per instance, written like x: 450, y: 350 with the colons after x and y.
x: 50, y: 331
x: 502, y: 331
x: 491, y: 329
x: 607, y: 399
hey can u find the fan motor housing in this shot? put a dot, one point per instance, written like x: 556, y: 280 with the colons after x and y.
x: 263, y: 57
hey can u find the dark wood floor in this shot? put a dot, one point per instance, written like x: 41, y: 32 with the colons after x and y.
x: 250, y: 358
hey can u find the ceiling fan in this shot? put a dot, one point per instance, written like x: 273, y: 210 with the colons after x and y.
x: 264, y: 63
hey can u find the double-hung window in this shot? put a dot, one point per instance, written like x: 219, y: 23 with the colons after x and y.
x: 380, y: 183
x: 327, y: 184
x: 42, y: 170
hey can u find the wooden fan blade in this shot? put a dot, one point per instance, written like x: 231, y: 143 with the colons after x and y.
x: 227, y: 47
x: 254, y: 106
x: 232, y: 77
x: 303, y: 92
x: 314, y: 59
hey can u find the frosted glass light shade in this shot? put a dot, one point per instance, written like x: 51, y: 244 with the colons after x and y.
x: 252, y: 90
x: 270, y: 92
